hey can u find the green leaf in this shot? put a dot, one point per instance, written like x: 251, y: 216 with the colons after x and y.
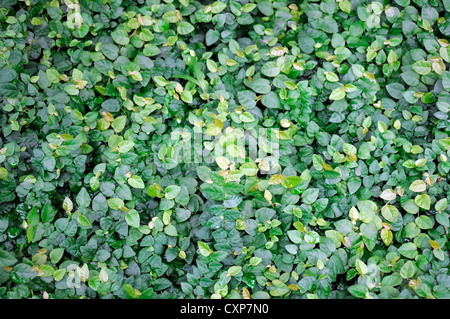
x: 335, y: 236
x: 234, y: 270
x: 410, y: 206
x: 125, y: 146
x: 354, y: 184
x: 310, y: 195
x: 204, y: 248
x: 409, y: 250
x: 271, y: 100
x: 185, y: 28
x: 212, y: 36
x: 120, y: 36
x: 186, y: 96
x: 58, y: 275
x: 445, y: 143
x: 369, y: 235
x: 153, y: 190
x: 53, y: 75
x: 291, y: 181
x: 248, y: 7
x: 110, y: 50
x: 249, y: 169
x: 119, y: 123
x: 170, y: 16
x: 418, y: 186
x: 264, y: 214
x: 151, y: 50
x: 48, y: 213
x: 133, y: 219
x: 9, y: 90
x: 424, y: 222
x: 359, y: 291
x: 270, y: 69
x: 422, y: 67
x: 390, y: 213
x: 67, y: 204
x: 294, y: 236
x: 3, y: 174
x: 56, y: 255
x: 423, y: 201
x: 115, y: 203
x: 136, y: 182
x: 218, y: 7
x: 246, y: 117
x: 361, y: 267
x: 312, y: 237
x: 441, y: 204
x: 83, y: 198
x: 7, y: 258
x: 386, y: 236
x: 214, y: 192
x: 84, y: 221
x: 23, y: 274
x: 8, y: 74
x: 172, y: 191
x: 111, y: 105
x: 408, y: 270
x: 260, y: 86
x: 337, y: 94
x: 388, y: 195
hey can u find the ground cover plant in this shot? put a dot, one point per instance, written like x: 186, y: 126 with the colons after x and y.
x: 224, y: 149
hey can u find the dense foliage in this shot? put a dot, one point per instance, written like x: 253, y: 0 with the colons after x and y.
x: 347, y: 197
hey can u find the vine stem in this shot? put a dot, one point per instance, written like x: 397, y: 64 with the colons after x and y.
x: 383, y: 206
